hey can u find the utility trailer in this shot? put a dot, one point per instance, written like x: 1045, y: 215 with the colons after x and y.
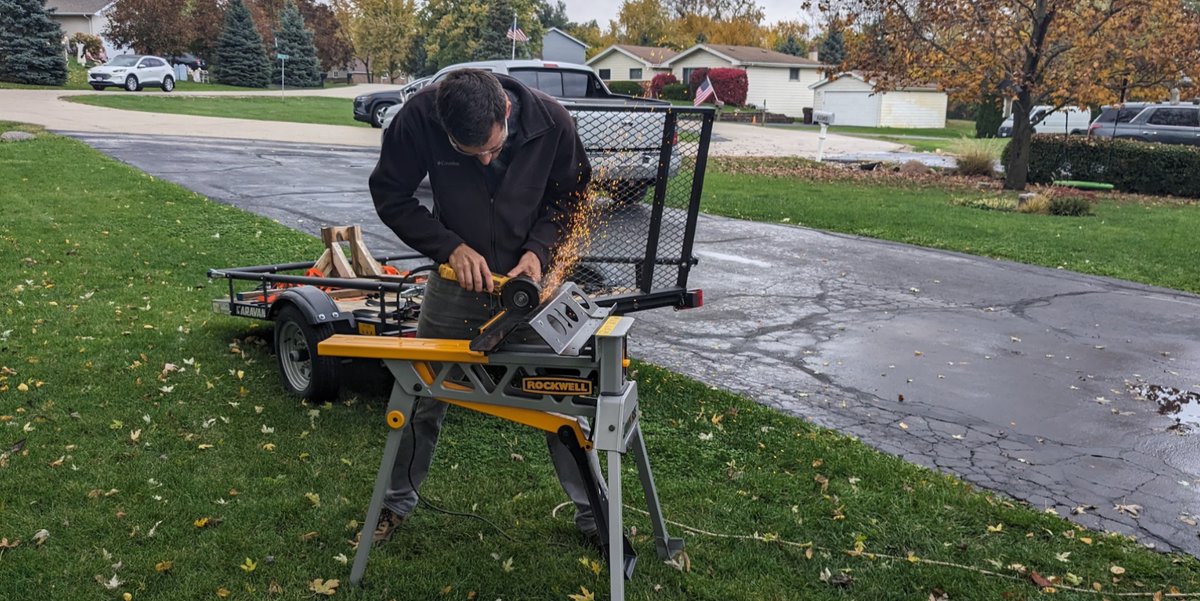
x: 637, y: 257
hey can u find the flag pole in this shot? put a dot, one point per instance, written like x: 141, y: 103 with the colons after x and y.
x: 514, y: 37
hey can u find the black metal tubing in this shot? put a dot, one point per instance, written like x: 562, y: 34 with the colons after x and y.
x: 278, y: 278
x: 660, y: 200
x: 689, y: 233
x: 636, y: 260
x: 220, y: 273
x: 630, y: 303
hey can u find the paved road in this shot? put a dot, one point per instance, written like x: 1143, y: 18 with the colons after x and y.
x: 49, y: 109
x: 1013, y: 377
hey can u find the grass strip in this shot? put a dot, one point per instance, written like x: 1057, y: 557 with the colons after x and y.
x: 1138, y: 240
x: 160, y: 457
x: 294, y: 109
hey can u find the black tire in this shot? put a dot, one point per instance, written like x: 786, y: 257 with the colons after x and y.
x: 98, y: 88
x: 168, y: 83
x: 302, y: 372
x: 630, y: 192
x: 377, y: 112
x: 131, y: 84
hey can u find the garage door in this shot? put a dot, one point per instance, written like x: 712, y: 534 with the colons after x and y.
x: 853, y: 108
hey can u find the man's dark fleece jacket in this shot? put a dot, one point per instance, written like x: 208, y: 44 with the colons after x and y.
x: 521, y: 202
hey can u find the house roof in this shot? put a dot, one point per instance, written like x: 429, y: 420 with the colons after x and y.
x: 927, y: 87
x: 650, y: 55
x: 78, y: 7
x: 567, y: 35
x: 750, y: 56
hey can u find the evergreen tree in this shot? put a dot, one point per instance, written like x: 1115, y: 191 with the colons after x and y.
x: 792, y: 46
x: 241, y: 57
x: 295, y: 40
x: 30, y: 44
x: 833, y: 47
x: 493, y: 41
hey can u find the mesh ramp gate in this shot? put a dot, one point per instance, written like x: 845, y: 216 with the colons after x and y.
x: 648, y: 165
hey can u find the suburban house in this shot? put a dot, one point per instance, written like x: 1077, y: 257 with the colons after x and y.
x: 853, y: 101
x: 622, y: 62
x: 560, y: 46
x: 778, y: 82
x: 84, y: 16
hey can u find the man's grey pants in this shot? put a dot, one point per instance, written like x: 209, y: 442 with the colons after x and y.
x: 450, y: 312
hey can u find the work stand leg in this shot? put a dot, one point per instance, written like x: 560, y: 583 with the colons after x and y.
x: 402, y: 402
x: 666, y: 546
x: 616, y: 529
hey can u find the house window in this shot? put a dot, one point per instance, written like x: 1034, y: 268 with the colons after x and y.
x: 794, y: 74
x: 687, y: 76
x: 635, y: 74
x: 606, y: 74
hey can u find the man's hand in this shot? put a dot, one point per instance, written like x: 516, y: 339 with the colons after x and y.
x: 529, y: 265
x: 471, y: 269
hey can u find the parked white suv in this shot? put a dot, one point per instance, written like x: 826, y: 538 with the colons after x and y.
x: 1045, y: 120
x: 133, y: 72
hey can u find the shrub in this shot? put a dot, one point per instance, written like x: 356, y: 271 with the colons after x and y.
x: 1129, y: 166
x: 697, y: 78
x: 659, y: 82
x: 974, y: 158
x: 730, y: 84
x: 629, y: 88
x: 986, y: 203
x: 1071, y: 206
x: 1039, y: 204
x: 91, y: 44
x: 675, y: 91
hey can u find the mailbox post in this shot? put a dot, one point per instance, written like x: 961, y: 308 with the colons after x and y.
x: 824, y: 119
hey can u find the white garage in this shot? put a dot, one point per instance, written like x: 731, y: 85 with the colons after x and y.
x: 853, y: 101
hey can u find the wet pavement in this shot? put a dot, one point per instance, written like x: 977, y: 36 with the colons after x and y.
x: 1067, y: 391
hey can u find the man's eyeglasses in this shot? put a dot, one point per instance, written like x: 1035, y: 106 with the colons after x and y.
x: 478, y: 155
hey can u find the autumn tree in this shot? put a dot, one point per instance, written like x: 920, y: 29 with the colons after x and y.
x: 554, y: 14
x: 381, y: 31
x: 643, y: 23
x: 30, y: 44
x: 150, y: 26
x: 463, y: 30
x: 788, y: 37
x: 1034, y: 52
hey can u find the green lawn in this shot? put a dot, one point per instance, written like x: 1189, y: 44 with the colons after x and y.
x: 1139, y: 241
x: 77, y: 80
x: 296, y: 109
x: 150, y: 440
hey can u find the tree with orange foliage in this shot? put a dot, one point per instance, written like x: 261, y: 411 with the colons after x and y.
x: 1034, y: 52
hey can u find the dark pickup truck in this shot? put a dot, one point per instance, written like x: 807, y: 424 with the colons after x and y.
x: 623, y: 148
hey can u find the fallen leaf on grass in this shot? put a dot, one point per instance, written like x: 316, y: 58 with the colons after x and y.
x: 323, y: 587
x: 1116, y: 570
x: 110, y: 584
x: 1039, y: 580
x: 274, y: 589
x: 1073, y: 579
x: 313, y: 498
x: 341, y: 558
x: 680, y: 562
x: 996, y: 528
x: 39, y: 537
x: 507, y: 566
x: 249, y: 565
x: 222, y: 592
x: 4, y: 544
x: 163, y: 567
x: 1063, y: 557
x: 583, y: 595
x: 206, y: 522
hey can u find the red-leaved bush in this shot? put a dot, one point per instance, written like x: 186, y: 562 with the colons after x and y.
x: 730, y: 84
x: 660, y: 80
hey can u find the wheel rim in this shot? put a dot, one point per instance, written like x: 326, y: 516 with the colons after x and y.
x: 169, y: 84
x: 293, y: 356
x: 130, y: 83
x: 379, y: 113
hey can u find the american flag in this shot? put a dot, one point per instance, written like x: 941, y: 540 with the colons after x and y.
x: 515, y: 34
x: 703, y: 92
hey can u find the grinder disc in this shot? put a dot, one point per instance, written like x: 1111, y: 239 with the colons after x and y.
x: 520, y: 294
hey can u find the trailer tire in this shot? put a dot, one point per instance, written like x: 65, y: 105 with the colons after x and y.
x: 303, y: 372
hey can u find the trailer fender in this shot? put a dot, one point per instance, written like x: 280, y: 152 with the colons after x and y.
x: 316, y: 305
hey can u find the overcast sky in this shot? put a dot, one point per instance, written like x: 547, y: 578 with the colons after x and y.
x: 582, y: 11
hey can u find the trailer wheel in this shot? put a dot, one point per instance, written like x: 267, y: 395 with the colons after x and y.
x: 303, y: 372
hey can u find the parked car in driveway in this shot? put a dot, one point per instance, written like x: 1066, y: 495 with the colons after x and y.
x: 1163, y: 123
x: 133, y: 72
x: 192, y: 61
x: 1112, y: 114
x: 622, y: 147
x: 371, y: 107
x: 1045, y: 120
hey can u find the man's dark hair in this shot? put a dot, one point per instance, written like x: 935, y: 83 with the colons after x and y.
x: 470, y: 102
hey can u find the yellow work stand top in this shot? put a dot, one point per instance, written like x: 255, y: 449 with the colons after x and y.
x: 410, y: 349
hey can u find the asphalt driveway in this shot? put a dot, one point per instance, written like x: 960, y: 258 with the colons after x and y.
x: 1016, y: 378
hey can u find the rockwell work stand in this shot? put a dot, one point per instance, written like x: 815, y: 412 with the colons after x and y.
x: 577, y: 369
